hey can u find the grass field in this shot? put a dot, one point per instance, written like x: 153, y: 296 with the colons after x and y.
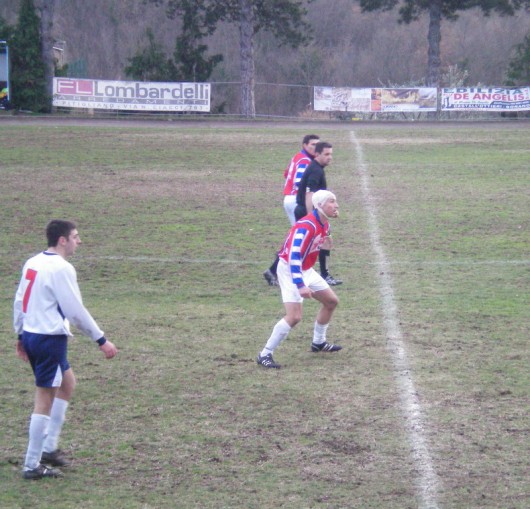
x: 178, y: 223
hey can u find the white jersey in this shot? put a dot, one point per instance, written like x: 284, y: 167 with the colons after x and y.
x: 48, y: 297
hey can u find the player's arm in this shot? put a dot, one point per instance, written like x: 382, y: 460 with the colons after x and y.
x: 296, y: 255
x: 18, y: 318
x: 18, y: 313
x: 313, y: 184
x: 309, y: 201
x: 71, y: 303
x: 21, y: 351
x: 300, y: 170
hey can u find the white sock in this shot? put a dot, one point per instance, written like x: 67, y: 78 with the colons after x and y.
x: 57, y: 417
x: 279, y: 333
x: 319, y: 333
x: 37, y: 434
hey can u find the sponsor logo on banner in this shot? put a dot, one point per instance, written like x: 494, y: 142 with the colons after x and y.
x: 374, y: 99
x: 131, y: 95
x: 481, y: 98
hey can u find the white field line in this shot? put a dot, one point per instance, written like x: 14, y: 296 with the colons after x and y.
x: 228, y: 261
x: 427, y: 482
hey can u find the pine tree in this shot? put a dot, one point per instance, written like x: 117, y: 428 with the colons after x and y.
x: 283, y: 18
x: 150, y: 63
x: 28, y: 83
x: 519, y: 67
x: 410, y: 10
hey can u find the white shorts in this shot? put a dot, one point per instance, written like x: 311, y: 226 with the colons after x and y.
x: 290, y: 293
x: 289, y: 204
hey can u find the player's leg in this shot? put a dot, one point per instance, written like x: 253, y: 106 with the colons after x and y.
x: 328, y: 303
x: 293, y: 314
x: 51, y: 454
x: 38, y: 426
x: 289, y: 205
x: 270, y: 274
x: 45, y: 354
x: 323, y: 256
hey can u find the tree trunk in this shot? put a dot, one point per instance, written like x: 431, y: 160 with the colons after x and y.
x: 47, y: 8
x: 246, y: 53
x: 434, y: 37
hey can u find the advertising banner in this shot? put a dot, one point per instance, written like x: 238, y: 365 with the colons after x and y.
x: 375, y: 99
x: 494, y: 98
x: 131, y: 95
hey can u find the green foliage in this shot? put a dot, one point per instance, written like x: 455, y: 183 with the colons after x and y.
x: 283, y: 18
x: 190, y: 62
x: 27, y: 76
x: 6, y: 31
x: 519, y: 67
x: 410, y: 10
x: 150, y: 64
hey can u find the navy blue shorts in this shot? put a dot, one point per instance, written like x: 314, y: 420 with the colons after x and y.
x: 47, y: 356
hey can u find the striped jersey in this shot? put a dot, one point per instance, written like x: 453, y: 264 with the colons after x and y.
x: 293, y: 173
x: 48, y: 298
x: 302, y: 245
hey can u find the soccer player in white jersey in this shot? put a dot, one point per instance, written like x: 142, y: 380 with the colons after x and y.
x: 46, y: 301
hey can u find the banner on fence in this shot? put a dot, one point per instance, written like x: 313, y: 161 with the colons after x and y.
x: 495, y: 98
x: 131, y: 95
x: 374, y: 99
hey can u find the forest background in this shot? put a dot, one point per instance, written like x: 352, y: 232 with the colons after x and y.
x: 350, y: 48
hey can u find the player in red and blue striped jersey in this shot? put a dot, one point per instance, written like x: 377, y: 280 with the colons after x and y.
x: 294, y: 172
x: 298, y: 280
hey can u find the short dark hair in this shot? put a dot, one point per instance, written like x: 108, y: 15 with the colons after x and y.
x: 58, y: 228
x: 309, y: 137
x: 321, y: 145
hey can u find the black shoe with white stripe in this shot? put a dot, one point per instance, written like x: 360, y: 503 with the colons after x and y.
x: 267, y: 361
x: 41, y: 471
x: 325, y: 347
x: 271, y: 278
x: 331, y: 281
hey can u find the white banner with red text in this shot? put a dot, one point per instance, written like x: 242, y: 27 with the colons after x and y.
x: 486, y: 98
x: 131, y: 95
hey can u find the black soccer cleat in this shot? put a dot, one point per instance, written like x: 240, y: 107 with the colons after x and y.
x: 267, y: 361
x: 331, y: 281
x: 41, y: 471
x: 271, y: 279
x: 325, y: 347
x: 55, y: 459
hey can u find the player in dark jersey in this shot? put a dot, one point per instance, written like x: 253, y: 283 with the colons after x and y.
x: 313, y: 180
x: 292, y: 174
x: 298, y: 279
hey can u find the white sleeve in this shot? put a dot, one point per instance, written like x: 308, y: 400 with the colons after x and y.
x: 18, y: 314
x: 69, y: 298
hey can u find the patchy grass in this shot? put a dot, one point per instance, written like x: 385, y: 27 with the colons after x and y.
x: 179, y: 223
